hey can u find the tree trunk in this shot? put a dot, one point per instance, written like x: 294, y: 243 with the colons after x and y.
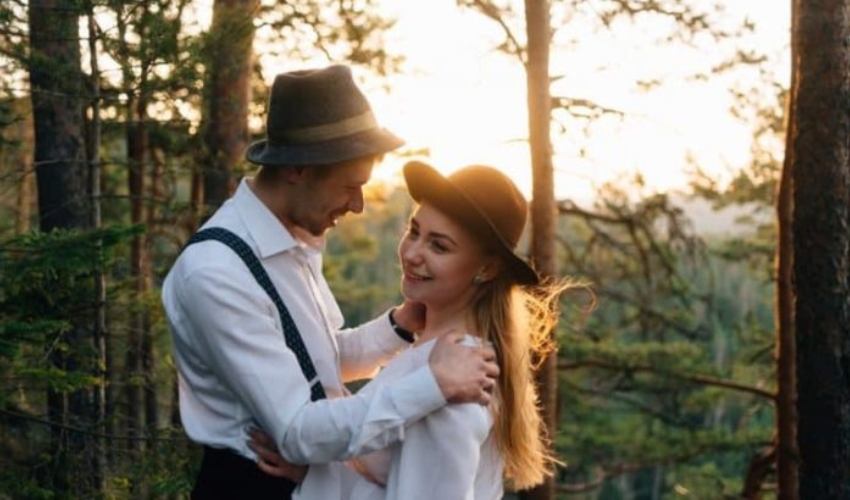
x: 56, y: 82
x: 64, y: 202
x: 787, y: 461
x: 148, y: 341
x: 821, y: 180
x: 99, y: 332
x: 543, y: 209
x: 228, y: 95
x: 23, y: 162
x: 133, y: 375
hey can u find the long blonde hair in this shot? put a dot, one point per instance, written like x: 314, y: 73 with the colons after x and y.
x: 518, y: 321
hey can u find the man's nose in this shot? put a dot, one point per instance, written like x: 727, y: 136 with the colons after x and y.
x: 356, y: 203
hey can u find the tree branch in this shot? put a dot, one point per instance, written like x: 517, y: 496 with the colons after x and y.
x: 490, y: 11
x: 690, y: 377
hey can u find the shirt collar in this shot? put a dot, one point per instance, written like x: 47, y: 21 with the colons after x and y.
x: 271, y: 236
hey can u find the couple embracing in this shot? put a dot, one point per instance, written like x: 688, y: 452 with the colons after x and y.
x: 262, y: 353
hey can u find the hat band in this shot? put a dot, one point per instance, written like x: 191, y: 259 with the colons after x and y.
x: 329, y: 131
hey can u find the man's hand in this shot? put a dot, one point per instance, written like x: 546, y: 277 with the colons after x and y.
x: 465, y: 374
x: 270, y: 461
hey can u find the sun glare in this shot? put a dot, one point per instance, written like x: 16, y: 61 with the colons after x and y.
x: 457, y: 122
x: 460, y: 102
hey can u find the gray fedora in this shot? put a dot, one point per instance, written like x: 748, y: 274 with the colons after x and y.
x: 319, y: 117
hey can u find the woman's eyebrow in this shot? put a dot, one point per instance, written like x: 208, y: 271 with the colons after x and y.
x: 442, y: 236
x: 433, y: 234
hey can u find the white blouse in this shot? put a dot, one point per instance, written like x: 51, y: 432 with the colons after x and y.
x: 448, y: 454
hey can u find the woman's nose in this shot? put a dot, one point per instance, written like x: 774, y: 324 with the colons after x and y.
x: 411, y: 251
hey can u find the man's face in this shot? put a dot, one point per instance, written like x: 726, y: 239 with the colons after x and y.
x: 328, y: 192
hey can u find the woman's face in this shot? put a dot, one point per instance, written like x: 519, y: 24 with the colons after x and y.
x: 439, y: 260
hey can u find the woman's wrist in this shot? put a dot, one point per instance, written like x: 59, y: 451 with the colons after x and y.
x: 402, y: 332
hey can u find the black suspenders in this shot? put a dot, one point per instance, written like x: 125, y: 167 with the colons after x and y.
x: 290, y: 331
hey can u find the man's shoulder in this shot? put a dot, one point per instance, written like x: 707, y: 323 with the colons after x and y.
x: 212, y: 255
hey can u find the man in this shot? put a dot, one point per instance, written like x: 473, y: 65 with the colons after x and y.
x: 236, y: 368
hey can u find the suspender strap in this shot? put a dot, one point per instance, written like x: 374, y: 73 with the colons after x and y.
x: 290, y: 331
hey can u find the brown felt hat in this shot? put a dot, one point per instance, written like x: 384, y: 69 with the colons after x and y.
x: 484, y: 200
x: 319, y: 117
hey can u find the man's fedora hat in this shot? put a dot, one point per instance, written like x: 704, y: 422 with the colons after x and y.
x: 484, y: 200
x: 318, y: 117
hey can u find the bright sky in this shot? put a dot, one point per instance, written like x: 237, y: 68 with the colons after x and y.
x: 466, y: 103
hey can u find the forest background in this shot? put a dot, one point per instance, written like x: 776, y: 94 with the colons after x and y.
x: 123, y: 123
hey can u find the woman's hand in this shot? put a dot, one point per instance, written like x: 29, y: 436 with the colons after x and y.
x: 270, y: 461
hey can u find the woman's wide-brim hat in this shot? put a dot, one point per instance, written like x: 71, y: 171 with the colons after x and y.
x: 482, y: 199
x: 319, y: 117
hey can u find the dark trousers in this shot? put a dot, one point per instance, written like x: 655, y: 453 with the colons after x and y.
x: 224, y: 475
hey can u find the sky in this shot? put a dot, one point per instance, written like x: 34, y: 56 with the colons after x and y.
x: 465, y: 102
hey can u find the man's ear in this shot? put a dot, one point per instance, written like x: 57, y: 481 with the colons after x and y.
x: 292, y: 174
x: 272, y: 175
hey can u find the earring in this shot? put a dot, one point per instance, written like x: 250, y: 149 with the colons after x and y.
x: 478, y: 279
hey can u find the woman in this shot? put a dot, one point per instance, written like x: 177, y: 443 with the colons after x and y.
x: 458, y: 259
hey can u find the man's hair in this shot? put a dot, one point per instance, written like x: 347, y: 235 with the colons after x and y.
x: 270, y: 174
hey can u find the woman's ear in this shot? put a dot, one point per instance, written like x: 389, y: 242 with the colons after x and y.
x: 489, y: 270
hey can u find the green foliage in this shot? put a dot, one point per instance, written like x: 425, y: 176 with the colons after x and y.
x: 46, y: 278
x: 669, y: 371
x: 13, y: 333
x: 23, y: 486
x: 43, y: 275
x: 47, y: 284
x: 167, y: 469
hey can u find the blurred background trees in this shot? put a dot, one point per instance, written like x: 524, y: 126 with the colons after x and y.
x: 122, y: 125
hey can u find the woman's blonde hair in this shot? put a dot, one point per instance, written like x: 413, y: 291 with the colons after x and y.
x: 518, y: 321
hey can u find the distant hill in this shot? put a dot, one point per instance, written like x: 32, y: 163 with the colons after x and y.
x: 727, y: 222
x: 735, y: 220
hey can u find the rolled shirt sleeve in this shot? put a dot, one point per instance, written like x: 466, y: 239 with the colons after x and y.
x: 363, y: 350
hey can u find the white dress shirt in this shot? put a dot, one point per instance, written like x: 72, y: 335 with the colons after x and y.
x: 235, y: 370
x: 450, y: 454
